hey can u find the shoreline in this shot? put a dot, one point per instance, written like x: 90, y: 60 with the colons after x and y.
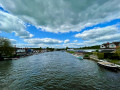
x: 102, y: 63
x: 18, y: 57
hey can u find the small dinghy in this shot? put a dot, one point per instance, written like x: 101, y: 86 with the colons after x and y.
x: 79, y: 57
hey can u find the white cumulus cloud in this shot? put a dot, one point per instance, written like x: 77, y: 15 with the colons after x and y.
x: 63, y: 15
x: 67, y: 41
x: 75, y: 40
x: 13, y: 41
x: 97, y: 32
x: 10, y: 23
x: 43, y: 41
x: 98, y: 36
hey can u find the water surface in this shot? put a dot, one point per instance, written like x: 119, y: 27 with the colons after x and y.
x: 56, y: 71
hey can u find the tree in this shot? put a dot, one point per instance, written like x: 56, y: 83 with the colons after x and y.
x: 49, y: 49
x: 67, y: 48
x: 40, y: 49
x: 6, y: 48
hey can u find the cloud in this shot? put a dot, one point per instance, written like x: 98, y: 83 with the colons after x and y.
x: 73, y: 45
x: 43, y: 41
x: 75, y: 41
x: 98, y: 36
x: 67, y: 41
x: 63, y: 15
x: 10, y: 23
x: 97, y: 32
x: 13, y: 41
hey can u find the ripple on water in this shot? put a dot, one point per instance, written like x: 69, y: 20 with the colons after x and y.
x: 56, y: 70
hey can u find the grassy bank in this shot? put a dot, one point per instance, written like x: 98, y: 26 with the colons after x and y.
x: 72, y: 52
x: 114, y: 61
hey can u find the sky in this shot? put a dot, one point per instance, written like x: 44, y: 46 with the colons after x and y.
x: 60, y: 23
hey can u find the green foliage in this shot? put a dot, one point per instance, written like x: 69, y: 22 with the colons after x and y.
x: 40, y: 48
x: 97, y: 50
x: 91, y: 47
x: 49, y: 49
x: 118, y: 51
x: 95, y: 53
x: 114, y: 61
x: 67, y: 48
x: 100, y: 55
x: 72, y: 52
x: 6, y: 48
x: 86, y: 55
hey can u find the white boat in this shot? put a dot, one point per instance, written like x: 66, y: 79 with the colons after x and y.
x: 78, y: 56
x: 109, y: 65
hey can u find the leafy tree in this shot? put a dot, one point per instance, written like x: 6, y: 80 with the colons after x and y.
x: 6, y: 48
x: 67, y: 48
x: 91, y: 47
x: 40, y: 49
x: 49, y: 49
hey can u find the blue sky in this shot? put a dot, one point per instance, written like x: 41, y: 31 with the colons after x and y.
x: 33, y: 25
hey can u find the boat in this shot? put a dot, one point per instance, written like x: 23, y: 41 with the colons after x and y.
x: 109, y: 65
x: 78, y: 56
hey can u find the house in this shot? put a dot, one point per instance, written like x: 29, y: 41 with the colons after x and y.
x: 112, y: 45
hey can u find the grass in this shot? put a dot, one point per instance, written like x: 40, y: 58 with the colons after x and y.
x: 114, y: 61
x: 72, y: 52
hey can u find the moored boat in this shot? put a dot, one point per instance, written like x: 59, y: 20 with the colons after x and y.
x: 109, y: 65
x: 78, y: 56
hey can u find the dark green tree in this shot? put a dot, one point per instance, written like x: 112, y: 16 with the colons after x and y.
x: 6, y: 48
x: 40, y: 49
x: 67, y: 48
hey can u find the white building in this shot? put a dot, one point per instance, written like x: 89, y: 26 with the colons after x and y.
x: 112, y: 45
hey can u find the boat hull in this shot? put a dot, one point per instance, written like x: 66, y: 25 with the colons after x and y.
x: 108, y: 67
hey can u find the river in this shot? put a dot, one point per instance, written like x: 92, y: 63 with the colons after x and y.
x: 56, y: 71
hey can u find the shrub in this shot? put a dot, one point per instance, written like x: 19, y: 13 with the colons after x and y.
x: 71, y: 52
x: 111, y: 56
x: 86, y: 55
x: 100, y: 55
x: 118, y: 51
x: 97, y: 50
x: 95, y: 53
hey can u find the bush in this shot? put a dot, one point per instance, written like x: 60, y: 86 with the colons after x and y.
x: 100, y: 55
x: 111, y: 56
x: 86, y: 55
x: 71, y: 52
x: 97, y: 50
x: 118, y: 51
x: 95, y: 53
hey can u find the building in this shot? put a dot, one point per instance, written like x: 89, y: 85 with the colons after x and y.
x: 112, y: 45
x: 23, y: 51
x: 20, y: 51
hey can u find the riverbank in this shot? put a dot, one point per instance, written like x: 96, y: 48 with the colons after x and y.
x: 15, y: 57
x: 103, y: 63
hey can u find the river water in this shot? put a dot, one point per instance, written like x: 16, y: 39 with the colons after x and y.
x: 56, y: 71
